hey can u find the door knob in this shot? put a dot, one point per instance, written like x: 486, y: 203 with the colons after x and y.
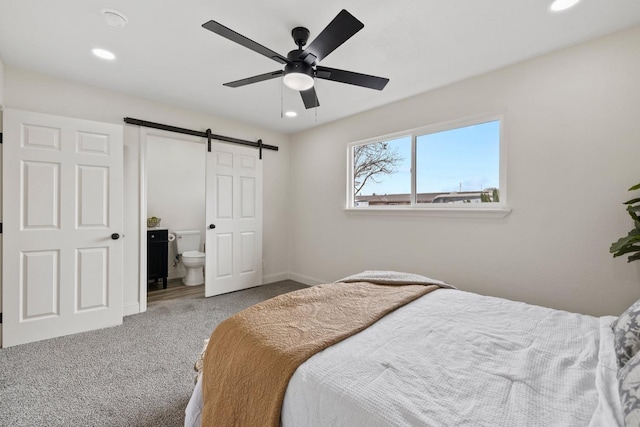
x: 115, y: 236
x: 212, y: 226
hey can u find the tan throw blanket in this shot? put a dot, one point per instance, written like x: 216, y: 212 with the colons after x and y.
x: 252, y: 355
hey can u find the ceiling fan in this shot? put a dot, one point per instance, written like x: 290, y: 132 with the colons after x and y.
x: 300, y: 66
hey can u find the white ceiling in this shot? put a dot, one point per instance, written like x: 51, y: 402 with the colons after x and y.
x: 165, y: 55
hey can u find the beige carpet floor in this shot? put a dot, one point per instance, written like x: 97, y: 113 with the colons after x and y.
x: 137, y: 374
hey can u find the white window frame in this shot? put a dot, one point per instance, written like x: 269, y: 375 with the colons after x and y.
x: 484, y: 210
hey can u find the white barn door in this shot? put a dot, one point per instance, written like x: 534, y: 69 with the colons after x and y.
x: 234, y: 219
x: 62, y: 226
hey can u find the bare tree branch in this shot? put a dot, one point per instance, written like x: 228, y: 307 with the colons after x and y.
x: 371, y: 161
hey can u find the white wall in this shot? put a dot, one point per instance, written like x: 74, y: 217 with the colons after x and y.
x: 40, y: 93
x: 176, y: 188
x: 573, y: 146
x: 1, y: 149
x: 573, y: 140
x: 1, y: 84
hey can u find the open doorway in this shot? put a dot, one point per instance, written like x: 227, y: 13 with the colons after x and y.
x: 227, y: 186
x: 172, y: 210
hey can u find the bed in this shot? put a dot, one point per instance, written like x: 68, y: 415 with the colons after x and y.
x: 454, y: 358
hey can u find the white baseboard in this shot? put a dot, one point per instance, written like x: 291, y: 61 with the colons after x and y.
x: 129, y: 309
x: 277, y: 277
x: 288, y: 275
x: 306, y: 280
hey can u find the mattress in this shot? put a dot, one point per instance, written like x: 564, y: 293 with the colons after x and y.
x: 453, y: 358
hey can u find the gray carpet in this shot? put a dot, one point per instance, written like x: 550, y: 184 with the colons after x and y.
x: 137, y: 374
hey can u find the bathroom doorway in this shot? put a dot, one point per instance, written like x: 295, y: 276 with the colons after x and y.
x: 173, y: 180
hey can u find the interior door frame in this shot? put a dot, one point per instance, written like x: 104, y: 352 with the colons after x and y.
x: 142, y: 253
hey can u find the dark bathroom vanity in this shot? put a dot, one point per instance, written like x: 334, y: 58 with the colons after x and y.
x: 157, y: 255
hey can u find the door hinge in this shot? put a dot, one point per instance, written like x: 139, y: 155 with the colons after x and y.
x: 0, y: 228
x: 0, y: 137
x: 0, y: 317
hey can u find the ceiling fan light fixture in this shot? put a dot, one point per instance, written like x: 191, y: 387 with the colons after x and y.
x: 298, y: 76
x: 298, y: 81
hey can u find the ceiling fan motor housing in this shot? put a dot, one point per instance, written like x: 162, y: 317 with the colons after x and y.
x: 296, y: 65
x: 294, y: 55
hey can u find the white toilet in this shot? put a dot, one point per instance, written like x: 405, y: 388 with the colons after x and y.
x: 188, y: 243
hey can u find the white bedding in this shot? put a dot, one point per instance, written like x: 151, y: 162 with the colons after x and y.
x: 453, y: 358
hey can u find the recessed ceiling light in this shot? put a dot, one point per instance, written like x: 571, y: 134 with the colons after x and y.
x: 559, y: 5
x: 290, y: 114
x: 104, y: 54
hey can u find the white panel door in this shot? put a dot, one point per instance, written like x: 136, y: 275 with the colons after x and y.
x: 234, y: 219
x: 62, y: 220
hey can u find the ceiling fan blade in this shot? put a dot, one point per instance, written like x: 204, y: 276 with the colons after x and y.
x: 255, y: 79
x: 341, y: 29
x: 228, y: 33
x: 351, y: 78
x: 310, y: 98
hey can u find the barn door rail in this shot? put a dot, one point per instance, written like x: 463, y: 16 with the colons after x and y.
x: 206, y: 134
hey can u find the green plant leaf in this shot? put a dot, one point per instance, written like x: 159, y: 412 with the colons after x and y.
x: 630, y: 244
x: 631, y: 238
x: 626, y: 250
x: 632, y: 201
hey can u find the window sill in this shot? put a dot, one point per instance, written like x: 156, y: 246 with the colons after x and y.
x: 486, y: 213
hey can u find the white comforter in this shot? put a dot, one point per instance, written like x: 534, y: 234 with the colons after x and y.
x: 453, y: 358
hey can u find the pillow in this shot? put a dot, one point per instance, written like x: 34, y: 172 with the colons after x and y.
x: 626, y: 329
x: 629, y: 377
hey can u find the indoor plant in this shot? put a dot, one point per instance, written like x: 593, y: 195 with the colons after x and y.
x: 630, y: 244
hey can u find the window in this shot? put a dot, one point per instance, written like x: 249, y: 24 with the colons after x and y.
x: 453, y: 166
x: 382, y: 169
